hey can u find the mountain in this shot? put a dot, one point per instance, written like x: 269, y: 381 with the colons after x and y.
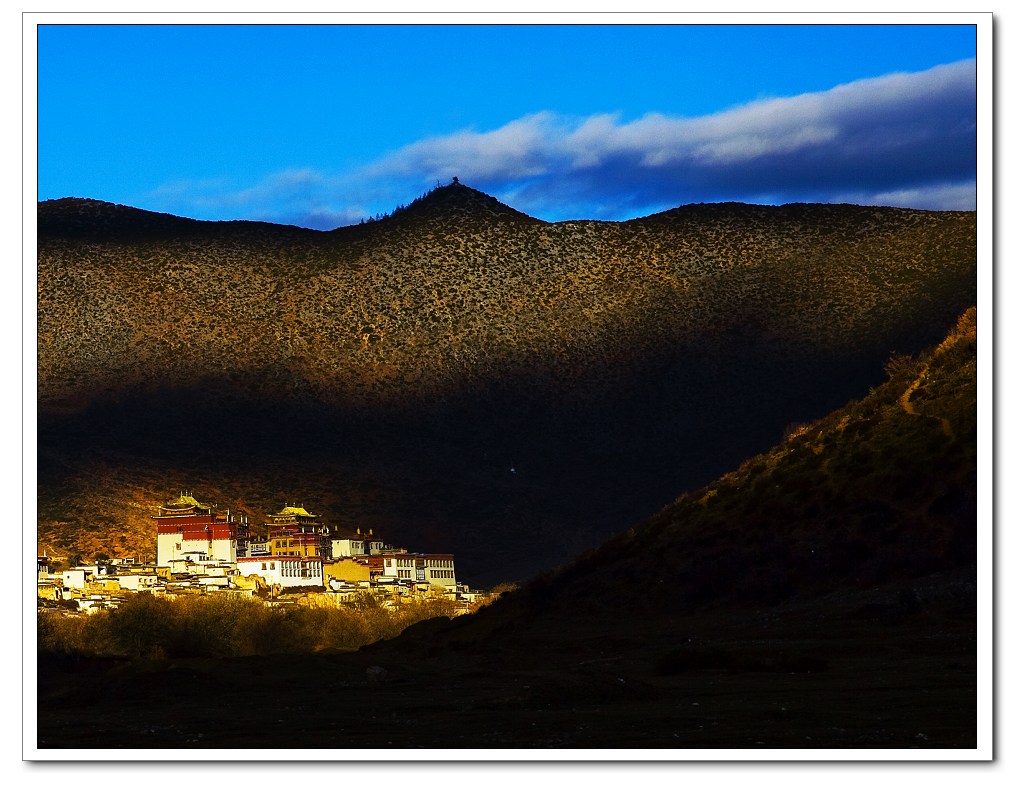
x: 459, y: 376
x: 821, y: 595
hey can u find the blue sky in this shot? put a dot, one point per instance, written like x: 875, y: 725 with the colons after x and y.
x: 323, y: 125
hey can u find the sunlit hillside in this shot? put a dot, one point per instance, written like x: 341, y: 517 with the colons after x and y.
x: 460, y: 292
x: 459, y: 375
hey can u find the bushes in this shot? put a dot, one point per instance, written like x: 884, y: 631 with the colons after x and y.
x: 72, y: 635
x: 221, y: 625
x: 141, y: 627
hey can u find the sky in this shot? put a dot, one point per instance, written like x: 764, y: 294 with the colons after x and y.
x: 325, y: 125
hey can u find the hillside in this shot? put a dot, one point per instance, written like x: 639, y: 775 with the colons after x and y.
x: 879, y: 491
x: 821, y: 595
x: 459, y: 376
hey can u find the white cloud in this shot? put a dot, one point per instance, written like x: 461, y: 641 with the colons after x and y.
x: 904, y: 139
x: 949, y: 196
x: 521, y: 148
x: 761, y: 128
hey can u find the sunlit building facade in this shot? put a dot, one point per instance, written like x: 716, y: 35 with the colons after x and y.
x: 189, y: 529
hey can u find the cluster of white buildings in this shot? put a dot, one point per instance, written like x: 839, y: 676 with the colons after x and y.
x: 201, y: 549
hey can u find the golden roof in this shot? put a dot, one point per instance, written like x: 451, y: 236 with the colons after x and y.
x: 298, y: 511
x: 184, y: 502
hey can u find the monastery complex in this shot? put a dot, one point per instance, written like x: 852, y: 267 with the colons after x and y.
x: 201, y: 549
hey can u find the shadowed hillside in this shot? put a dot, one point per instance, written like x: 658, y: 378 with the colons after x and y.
x: 822, y: 595
x: 879, y: 491
x: 459, y: 376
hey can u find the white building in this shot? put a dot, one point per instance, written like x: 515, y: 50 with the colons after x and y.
x: 139, y: 582
x: 356, y: 545
x: 77, y: 577
x: 439, y: 569
x: 284, y: 571
x: 346, y: 547
x: 436, y: 568
x: 198, y: 563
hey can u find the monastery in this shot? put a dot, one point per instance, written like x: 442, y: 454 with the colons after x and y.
x: 203, y: 549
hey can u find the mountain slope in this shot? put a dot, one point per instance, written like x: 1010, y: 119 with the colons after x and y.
x: 820, y: 596
x: 449, y: 291
x: 823, y: 594
x: 881, y: 490
x: 459, y: 376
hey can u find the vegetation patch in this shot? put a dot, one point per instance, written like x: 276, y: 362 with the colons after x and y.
x: 150, y: 627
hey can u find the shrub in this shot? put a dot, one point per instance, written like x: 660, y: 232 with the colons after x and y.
x: 902, y: 365
x: 203, y: 626
x: 141, y: 627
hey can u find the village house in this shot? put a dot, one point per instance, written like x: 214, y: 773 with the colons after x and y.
x: 285, y: 571
x: 77, y: 577
x: 435, y: 568
x: 138, y: 582
x: 358, y: 544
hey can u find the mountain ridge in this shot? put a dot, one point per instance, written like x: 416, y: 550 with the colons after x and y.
x: 66, y: 215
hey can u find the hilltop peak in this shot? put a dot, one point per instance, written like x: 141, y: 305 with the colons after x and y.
x: 456, y: 200
x: 83, y: 218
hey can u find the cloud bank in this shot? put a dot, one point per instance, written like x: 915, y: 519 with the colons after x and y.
x: 905, y: 140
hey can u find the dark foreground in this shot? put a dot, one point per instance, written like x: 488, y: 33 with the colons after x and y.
x: 889, y: 668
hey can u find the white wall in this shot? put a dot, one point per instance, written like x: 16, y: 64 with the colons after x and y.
x: 349, y: 547
x: 75, y: 578
x: 136, y: 582
x: 223, y: 550
x: 167, y: 548
x: 274, y: 571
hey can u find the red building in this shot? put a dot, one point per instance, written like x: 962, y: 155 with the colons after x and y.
x: 190, y: 530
